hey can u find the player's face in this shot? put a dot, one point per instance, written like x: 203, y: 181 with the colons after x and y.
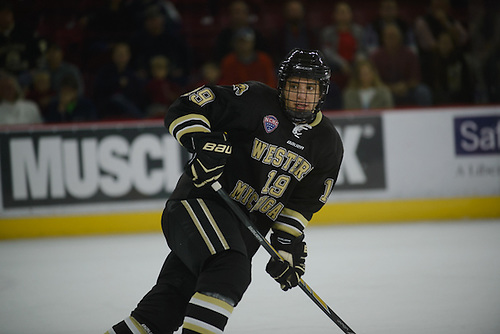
x: 301, y: 94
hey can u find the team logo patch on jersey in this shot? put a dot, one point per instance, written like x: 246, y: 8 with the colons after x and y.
x: 270, y: 123
x: 239, y: 89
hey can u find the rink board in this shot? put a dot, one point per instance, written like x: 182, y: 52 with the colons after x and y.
x: 399, y: 165
x: 333, y: 213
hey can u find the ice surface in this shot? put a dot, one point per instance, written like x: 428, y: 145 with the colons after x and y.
x: 390, y: 278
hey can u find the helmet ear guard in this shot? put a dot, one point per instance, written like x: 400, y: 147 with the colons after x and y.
x: 303, y: 64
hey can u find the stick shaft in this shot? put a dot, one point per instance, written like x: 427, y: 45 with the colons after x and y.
x: 274, y: 254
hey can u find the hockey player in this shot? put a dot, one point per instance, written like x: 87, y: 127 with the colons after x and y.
x: 277, y: 156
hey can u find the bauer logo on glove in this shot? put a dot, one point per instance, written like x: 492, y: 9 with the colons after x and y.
x: 211, y: 152
x: 220, y: 148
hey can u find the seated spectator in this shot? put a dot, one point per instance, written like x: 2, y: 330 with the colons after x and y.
x: 160, y: 90
x: 153, y: 40
x: 104, y: 23
x: 388, y: 13
x: 59, y: 69
x: 399, y: 68
x: 246, y: 63
x: 342, y: 43
x: 109, y: 22
x: 295, y: 33
x: 41, y: 91
x: 452, y: 81
x: 366, y: 90
x: 333, y: 100
x: 210, y: 74
x: 14, y: 109
x: 171, y: 16
x: 69, y: 106
x: 492, y: 75
x: 428, y: 27
x: 239, y: 17
x: 19, y: 47
x: 484, y: 39
x: 61, y: 23
x: 118, y: 91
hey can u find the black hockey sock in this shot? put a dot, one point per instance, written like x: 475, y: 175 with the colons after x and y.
x: 128, y: 326
x: 206, y: 314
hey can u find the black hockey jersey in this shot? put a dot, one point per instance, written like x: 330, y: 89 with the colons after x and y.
x: 281, y: 171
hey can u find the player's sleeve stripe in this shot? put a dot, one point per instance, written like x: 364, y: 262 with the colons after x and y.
x: 290, y: 229
x: 190, y: 129
x: 294, y: 215
x: 291, y: 221
x: 180, y: 122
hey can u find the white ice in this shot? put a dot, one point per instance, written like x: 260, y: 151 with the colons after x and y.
x: 390, y: 278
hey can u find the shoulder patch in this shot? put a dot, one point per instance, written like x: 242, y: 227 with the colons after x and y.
x: 239, y: 89
x: 270, y: 123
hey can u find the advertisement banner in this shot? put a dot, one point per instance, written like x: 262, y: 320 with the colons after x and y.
x: 410, y: 154
x: 363, y: 167
x: 442, y: 153
x: 477, y: 151
x: 477, y: 135
x: 88, y: 165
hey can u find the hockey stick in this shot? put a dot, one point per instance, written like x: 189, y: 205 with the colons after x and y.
x: 274, y: 254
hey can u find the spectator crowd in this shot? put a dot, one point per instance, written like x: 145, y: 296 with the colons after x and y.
x: 96, y: 60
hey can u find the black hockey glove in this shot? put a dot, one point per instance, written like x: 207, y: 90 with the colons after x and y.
x: 211, y: 151
x: 294, y: 252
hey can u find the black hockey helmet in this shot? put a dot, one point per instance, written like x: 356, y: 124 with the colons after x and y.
x: 306, y: 64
